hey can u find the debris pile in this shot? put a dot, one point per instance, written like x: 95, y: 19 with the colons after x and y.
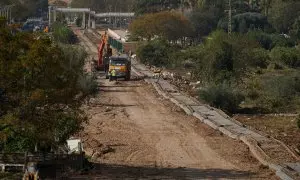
x: 183, y: 81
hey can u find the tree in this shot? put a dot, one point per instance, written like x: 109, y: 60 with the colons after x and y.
x: 168, y: 25
x: 155, y: 53
x: 295, y: 31
x: 153, y: 6
x: 105, y: 5
x: 265, y: 6
x: 223, y: 58
x: 204, y: 21
x: 26, y: 8
x: 40, y: 88
x: 283, y: 14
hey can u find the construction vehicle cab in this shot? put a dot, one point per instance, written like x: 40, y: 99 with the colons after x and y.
x: 121, y: 64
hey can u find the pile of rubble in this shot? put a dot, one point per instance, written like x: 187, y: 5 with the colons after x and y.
x: 183, y: 81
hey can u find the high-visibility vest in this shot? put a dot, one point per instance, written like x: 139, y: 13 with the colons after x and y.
x: 46, y: 30
x: 113, y: 72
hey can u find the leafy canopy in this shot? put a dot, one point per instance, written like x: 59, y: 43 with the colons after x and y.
x: 40, y: 92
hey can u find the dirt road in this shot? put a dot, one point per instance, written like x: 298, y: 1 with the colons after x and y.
x: 135, y: 134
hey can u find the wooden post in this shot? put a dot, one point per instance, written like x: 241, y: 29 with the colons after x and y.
x: 81, y: 155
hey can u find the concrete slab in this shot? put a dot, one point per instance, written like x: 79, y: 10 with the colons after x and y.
x: 234, y: 128
x: 201, y: 109
x: 166, y: 86
x: 294, y: 166
x: 184, y: 99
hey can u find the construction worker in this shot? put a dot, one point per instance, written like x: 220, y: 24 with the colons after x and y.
x: 113, y: 76
x: 46, y: 30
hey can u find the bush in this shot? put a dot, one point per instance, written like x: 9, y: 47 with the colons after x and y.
x: 288, y: 56
x: 79, y: 22
x: 223, y: 58
x: 155, y: 52
x: 275, y: 93
x: 259, y: 58
x: 281, y: 41
x: 270, y: 41
x: 222, y: 96
x: 63, y: 34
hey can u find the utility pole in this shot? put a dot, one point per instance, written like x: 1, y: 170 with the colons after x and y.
x: 229, y: 17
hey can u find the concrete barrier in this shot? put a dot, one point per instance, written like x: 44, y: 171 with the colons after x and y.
x: 228, y: 133
x: 263, y: 158
x: 198, y: 116
x: 187, y: 110
x: 211, y: 124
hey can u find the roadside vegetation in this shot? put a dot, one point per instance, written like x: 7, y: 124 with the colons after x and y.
x: 61, y: 33
x: 42, y: 87
x: 256, y: 69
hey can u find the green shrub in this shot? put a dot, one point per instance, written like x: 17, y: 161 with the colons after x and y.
x: 275, y: 93
x: 270, y: 41
x: 281, y: 41
x: 222, y: 96
x: 79, y: 22
x: 259, y: 58
x: 155, y: 52
x: 288, y: 56
x: 63, y: 34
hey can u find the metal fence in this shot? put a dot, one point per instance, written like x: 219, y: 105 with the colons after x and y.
x: 116, y: 44
x: 74, y: 161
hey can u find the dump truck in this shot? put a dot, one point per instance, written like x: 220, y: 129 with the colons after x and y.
x: 121, y: 64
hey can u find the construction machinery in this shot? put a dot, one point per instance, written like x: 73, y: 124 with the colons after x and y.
x: 104, y: 52
x: 122, y: 66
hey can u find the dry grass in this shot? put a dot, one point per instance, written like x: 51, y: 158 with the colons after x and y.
x: 280, y: 127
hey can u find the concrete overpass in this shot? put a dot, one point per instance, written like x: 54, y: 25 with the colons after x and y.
x: 5, y: 11
x: 88, y: 16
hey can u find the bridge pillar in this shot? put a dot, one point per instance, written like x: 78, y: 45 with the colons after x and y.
x: 49, y: 16
x: 83, y: 20
x: 89, y: 21
x: 54, y: 18
x: 7, y: 15
x: 93, y: 23
x: 10, y: 19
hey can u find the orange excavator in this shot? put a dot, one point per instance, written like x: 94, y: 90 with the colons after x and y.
x: 104, y: 52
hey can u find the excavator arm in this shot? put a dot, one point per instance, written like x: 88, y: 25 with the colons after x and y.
x: 101, y: 47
